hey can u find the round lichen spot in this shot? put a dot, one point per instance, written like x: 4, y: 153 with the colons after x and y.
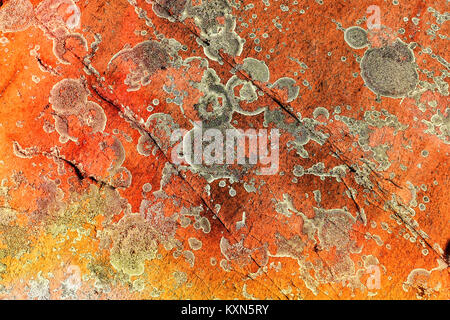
x: 356, y: 37
x: 169, y: 9
x: 298, y: 171
x: 16, y: 15
x: 94, y: 116
x: 390, y: 70
x: 68, y: 95
x: 147, y: 187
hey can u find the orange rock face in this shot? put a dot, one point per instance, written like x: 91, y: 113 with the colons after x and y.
x: 178, y: 149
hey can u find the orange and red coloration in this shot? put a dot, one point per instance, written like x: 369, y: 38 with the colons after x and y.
x: 92, y: 205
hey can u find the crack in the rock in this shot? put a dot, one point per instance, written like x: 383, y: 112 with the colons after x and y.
x: 47, y: 67
x: 81, y: 176
x: 10, y: 81
x: 447, y: 252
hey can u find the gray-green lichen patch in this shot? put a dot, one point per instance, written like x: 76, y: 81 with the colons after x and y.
x: 215, y: 36
x: 303, y: 130
x: 68, y: 97
x: 390, y: 71
x: 257, y: 70
x: 169, y: 9
x: 134, y: 241
x: 159, y: 128
x: 16, y: 15
x: 289, y: 85
x: 226, y: 40
x: 148, y: 57
x: 439, y: 125
x: 356, y: 37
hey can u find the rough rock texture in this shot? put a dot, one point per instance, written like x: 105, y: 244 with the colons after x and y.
x: 95, y: 205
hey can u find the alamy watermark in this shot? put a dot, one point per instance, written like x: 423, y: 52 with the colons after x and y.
x: 72, y: 11
x: 374, y: 18
x: 374, y: 280
x: 210, y: 146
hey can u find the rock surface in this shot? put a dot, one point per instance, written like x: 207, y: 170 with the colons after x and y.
x: 99, y: 202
